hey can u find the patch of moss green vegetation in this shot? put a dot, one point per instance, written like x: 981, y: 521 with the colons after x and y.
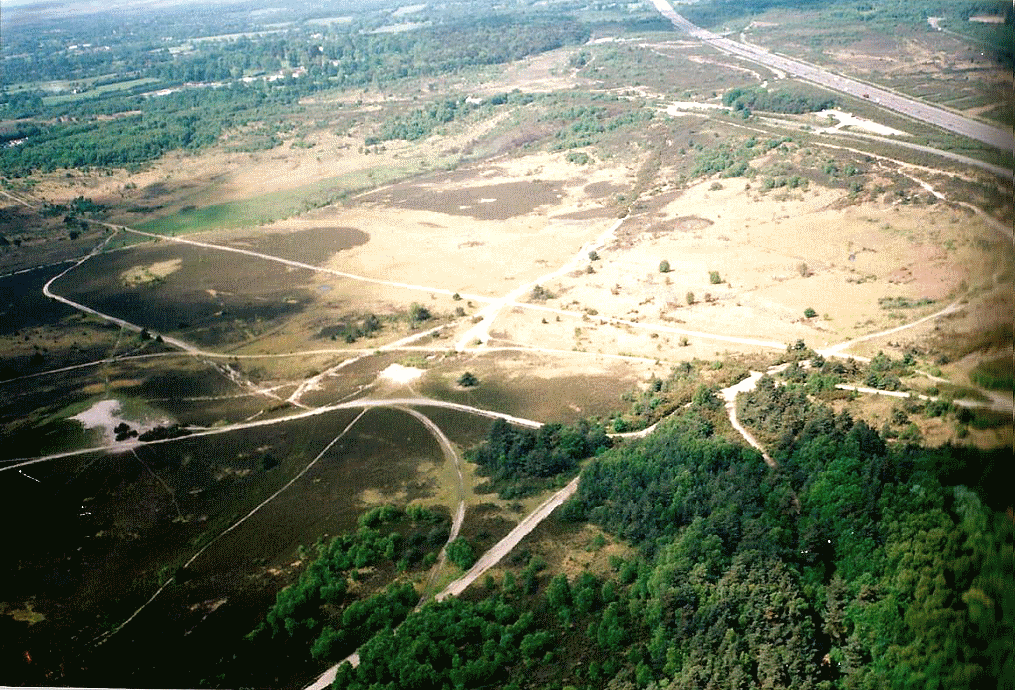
x: 733, y: 159
x: 273, y: 206
x: 997, y: 374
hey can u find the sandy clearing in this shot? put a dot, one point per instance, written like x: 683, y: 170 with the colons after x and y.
x: 397, y: 373
x: 141, y: 275
x: 105, y: 415
x: 849, y: 120
x: 757, y: 246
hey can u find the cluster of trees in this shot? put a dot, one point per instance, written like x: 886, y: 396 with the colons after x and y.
x: 147, y: 129
x: 454, y: 643
x: 998, y: 374
x: 732, y: 160
x: 856, y: 549
x: 422, y: 122
x: 323, y: 613
x: 774, y: 101
x: 651, y: 490
x: 352, y: 330
x: 586, y: 124
x: 662, y: 396
x: 884, y: 372
x: 511, y: 455
x: 514, y: 636
x: 17, y: 105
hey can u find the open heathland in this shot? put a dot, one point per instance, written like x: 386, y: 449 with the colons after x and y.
x: 652, y: 363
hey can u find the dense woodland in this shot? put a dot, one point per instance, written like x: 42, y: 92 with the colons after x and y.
x: 130, y: 99
x: 516, y: 459
x: 857, y: 563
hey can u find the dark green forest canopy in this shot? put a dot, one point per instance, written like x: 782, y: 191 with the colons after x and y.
x: 516, y: 459
x: 857, y: 564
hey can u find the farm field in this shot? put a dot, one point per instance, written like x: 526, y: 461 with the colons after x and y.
x: 307, y: 322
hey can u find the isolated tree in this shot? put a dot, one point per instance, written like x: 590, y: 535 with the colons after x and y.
x: 714, y: 277
x: 664, y: 266
x: 372, y: 324
x: 690, y: 297
x: 461, y: 553
x: 541, y: 294
x: 810, y: 313
x: 418, y: 313
x: 468, y: 380
x: 593, y: 255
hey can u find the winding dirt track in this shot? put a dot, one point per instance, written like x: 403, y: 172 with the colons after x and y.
x: 313, y: 412
x: 226, y: 371
x: 837, y: 350
x: 730, y: 397
x: 450, y: 455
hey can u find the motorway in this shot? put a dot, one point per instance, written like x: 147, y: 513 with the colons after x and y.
x: 953, y: 122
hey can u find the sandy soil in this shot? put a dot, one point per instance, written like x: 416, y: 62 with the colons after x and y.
x: 140, y: 275
x: 105, y: 415
x: 849, y: 120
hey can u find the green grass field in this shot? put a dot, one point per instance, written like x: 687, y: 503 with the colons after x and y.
x: 267, y: 208
x: 97, y: 92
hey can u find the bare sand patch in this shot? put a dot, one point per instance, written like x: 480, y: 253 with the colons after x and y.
x: 143, y: 275
x: 106, y: 415
x: 844, y: 119
x: 396, y: 373
x: 487, y: 248
x: 987, y: 19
